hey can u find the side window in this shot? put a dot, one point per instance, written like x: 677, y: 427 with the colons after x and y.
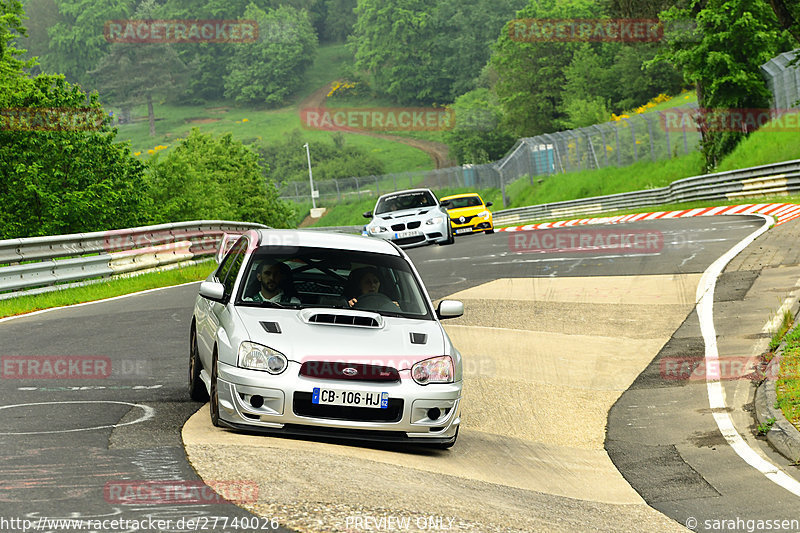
x: 230, y: 266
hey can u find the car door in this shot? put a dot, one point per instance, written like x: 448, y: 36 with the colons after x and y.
x: 218, y: 313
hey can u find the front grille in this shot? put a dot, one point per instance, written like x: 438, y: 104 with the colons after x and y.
x: 302, y: 406
x: 409, y: 240
x: 336, y: 370
x: 414, y: 225
x: 398, y: 227
x: 458, y: 220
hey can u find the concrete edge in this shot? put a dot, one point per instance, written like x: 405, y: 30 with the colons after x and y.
x: 783, y: 436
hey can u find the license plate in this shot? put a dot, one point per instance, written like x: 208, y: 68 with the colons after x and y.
x: 464, y: 230
x: 407, y: 233
x: 376, y: 400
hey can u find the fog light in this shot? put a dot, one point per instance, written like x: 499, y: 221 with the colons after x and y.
x: 256, y: 401
x: 434, y: 413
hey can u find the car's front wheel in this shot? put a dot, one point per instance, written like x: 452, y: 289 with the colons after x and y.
x: 450, y: 237
x: 197, y: 389
x: 213, y: 403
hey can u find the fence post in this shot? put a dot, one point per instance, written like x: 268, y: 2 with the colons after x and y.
x: 650, y: 133
x: 358, y: 189
x: 633, y: 136
x: 377, y: 185
x: 603, y: 139
x: 338, y: 194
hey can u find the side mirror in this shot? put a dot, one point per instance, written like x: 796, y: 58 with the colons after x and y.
x: 212, y: 290
x: 450, y: 309
x: 367, y: 214
x: 488, y: 204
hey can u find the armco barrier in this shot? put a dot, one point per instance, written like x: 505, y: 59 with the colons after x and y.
x: 44, y: 262
x: 765, y: 180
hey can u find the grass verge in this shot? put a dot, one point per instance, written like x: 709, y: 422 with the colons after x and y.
x: 106, y: 289
x: 788, y: 383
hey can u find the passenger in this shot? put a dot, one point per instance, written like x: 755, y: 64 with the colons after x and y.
x: 361, y: 281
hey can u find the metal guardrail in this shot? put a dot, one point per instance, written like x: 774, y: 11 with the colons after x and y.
x: 46, y: 262
x: 764, y: 180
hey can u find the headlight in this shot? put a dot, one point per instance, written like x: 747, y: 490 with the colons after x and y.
x: 434, y: 220
x: 257, y: 357
x: 483, y: 214
x: 377, y: 229
x: 433, y: 370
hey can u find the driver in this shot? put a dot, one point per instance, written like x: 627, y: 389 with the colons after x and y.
x: 275, y: 283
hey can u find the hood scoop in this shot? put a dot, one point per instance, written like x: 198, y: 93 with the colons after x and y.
x: 271, y: 327
x: 419, y: 338
x: 341, y: 317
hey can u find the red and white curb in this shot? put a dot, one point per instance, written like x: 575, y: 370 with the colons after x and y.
x: 780, y: 212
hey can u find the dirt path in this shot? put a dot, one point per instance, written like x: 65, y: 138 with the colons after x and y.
x: 439, y: 152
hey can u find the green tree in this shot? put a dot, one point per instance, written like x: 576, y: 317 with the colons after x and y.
x: 11, y: 29
x: 722, y: 59
x: 531, y: 75
x: 132, y: 73
x: 340, y: 17
x: 77, y: 42
x: 213, y: 178
x: 478, y: 136
x: 269, y: 70
x: 333, y: 160
x: 65, y: 181
x: 788, y: 15
x: 421, y: 52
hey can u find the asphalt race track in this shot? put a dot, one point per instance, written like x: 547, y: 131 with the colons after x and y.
x: 570, y: 422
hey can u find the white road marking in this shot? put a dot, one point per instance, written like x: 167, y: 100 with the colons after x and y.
x: 148, y: 413
x: 716, y: 395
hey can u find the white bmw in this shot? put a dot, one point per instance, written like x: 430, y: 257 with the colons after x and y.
x: 410, y: 218
x: 309, y: 333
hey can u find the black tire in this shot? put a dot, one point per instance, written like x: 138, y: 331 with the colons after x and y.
x: 450, y: 237
x: 489, y: 231
x: 213, y: 402
x: 197, y: 389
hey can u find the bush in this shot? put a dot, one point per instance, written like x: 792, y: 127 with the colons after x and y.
x: 208, y: 178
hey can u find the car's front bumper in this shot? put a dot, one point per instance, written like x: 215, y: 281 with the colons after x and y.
x: 428, y: 234
x: 475, y: 224
x: 286, y: 394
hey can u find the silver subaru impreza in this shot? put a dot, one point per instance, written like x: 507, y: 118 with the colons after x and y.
x: 300, y: 332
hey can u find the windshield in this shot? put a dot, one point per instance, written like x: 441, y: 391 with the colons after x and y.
x: 409, y: 200
x: 321, y: 277
x: 469, y: 201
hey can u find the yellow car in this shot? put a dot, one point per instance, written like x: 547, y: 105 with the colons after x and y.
x: 468, y: 213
